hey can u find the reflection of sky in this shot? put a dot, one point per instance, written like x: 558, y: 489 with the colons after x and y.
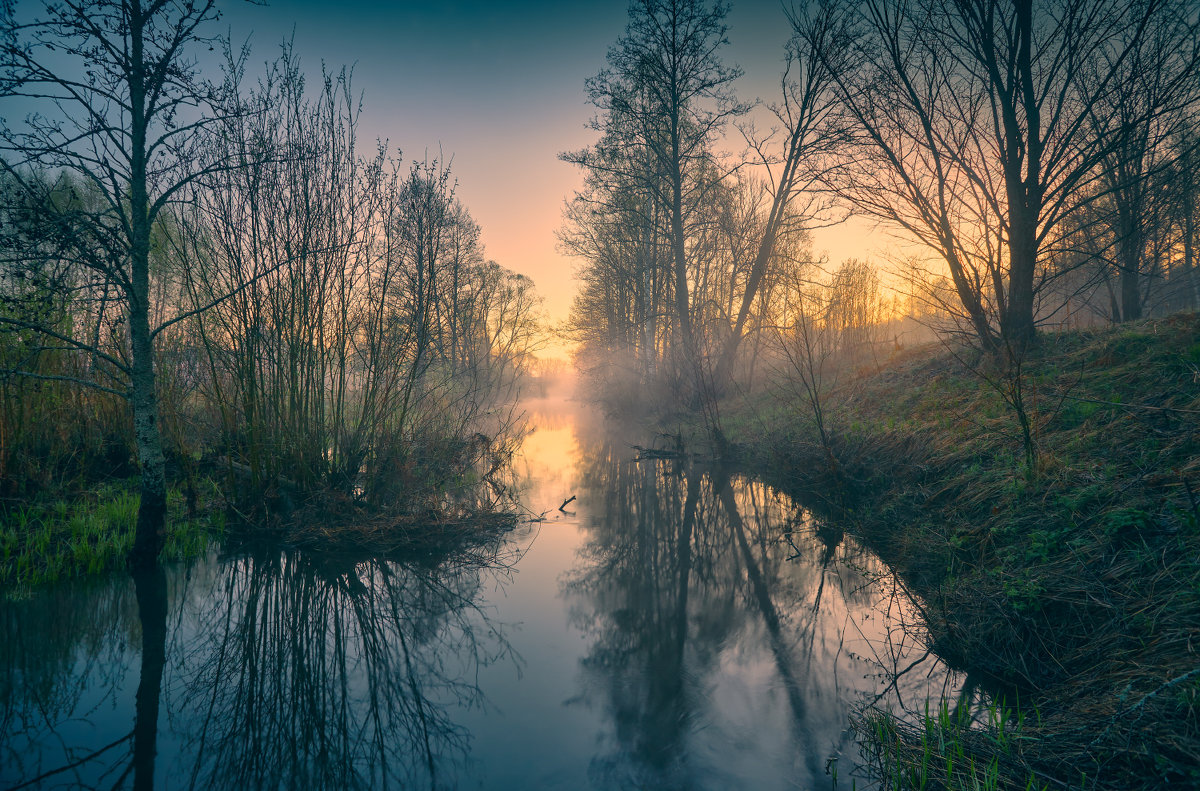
x: 768, y: 676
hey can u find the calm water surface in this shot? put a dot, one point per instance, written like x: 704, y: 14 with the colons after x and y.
x: 673, y: 628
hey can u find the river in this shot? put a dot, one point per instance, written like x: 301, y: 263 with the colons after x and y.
x: 672, y: 627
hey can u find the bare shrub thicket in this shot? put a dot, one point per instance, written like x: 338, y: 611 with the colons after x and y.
x: 369, y: 344
x: 325, y: 320
x: 828, y: 325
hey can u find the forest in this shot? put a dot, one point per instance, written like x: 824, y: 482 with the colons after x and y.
x: 263, y: 388
x: 1038, y: 163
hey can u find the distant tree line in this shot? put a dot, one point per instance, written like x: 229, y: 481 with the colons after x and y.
x: 196, y: 274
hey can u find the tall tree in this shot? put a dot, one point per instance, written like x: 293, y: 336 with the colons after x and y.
x: 795, y: 163
x: 116, y: 103
x: 1145, y: 122
x: 663, y: 99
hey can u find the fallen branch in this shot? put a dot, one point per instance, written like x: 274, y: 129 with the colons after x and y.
x: 657, y: 453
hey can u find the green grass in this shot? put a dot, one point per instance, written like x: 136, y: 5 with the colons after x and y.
x: 951, y: 750
x: 47, y: 541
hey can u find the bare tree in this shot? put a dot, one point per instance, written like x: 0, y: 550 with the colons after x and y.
x: 1146, y: 123
x: 664, y: 98
x: 978, y: 126
x: 1185, y: 181
x: 116, y: 103
x: 794, y: 162
x: 365, y: 338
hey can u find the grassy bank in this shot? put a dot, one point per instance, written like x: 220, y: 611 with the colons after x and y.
x: 1073, y: 583
x: 87, y: 527
x: 47, y: 540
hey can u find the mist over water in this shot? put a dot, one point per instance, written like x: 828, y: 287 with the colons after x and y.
x: 672, y: 627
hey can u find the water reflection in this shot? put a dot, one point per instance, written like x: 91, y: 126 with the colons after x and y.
x: 150, y: 589
x: 346, y: 674
x: 682, y: 628
x: 731, y: 636
x: 63, y: 658
x: 281, y: 671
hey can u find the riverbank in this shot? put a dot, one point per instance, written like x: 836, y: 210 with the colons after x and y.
x: 63, y: 535
x: 87, y: 528
x: 1074, y: 582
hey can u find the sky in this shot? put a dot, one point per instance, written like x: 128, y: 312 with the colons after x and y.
x: 498, y: 89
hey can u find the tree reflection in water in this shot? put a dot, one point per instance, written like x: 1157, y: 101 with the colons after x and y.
x: 63, y: 656
x: 729, y: 630
x: 282, y: 671
x: 336, y: 675
x: 150, y: 588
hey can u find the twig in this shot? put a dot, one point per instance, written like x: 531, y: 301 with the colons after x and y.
x: 73, y: 764
x: 1145, y: 699
x: 1135, y: 406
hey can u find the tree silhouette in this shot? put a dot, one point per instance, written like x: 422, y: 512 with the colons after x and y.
x: 113, y: 142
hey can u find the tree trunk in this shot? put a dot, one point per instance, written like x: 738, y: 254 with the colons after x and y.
x: 153, y: 508
x: 1189, y: 255
x: 679, y: 253
x: 968, y: 296
x: 151, y: 587
x: 1023, y: 187
x: 152, y: 511
x: 1019, y: 326
x: 1131, y: 292
x: 691, y: 347
x: 766, y: 248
